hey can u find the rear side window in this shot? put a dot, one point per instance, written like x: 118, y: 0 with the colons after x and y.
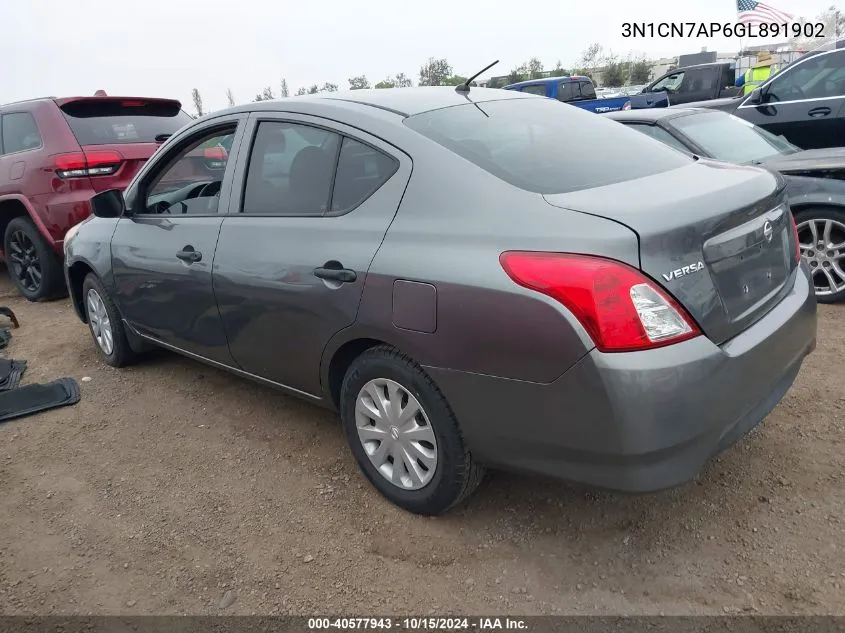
x: 565, y: 92
x: 658, y: 133
x: 20, y: 133
x: 543, y: 146
x: 291, y: 168
x: 115, y: 121
x: 537, y: 89
x: 361, y: 170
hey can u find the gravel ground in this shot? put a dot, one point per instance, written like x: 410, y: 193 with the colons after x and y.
x: 175, y: 488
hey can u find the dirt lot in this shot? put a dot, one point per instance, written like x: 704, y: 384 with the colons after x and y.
x: 175, y: 488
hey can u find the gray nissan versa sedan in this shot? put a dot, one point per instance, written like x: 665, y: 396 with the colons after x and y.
x: 472, y: 279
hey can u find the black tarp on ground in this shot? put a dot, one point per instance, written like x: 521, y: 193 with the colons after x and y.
x: 10, y: 373
x: 30, y: 399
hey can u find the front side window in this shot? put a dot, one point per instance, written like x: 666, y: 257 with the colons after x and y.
x: 191, y: 180
x: 670, y: 83
x: 819, y: 77
x: 291, y: 168
x: 20, y: 133
x: 588, y: 91
x: 543, y: 146
x: 731, y: 139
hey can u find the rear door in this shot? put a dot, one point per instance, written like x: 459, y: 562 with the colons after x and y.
x: 312, y: 206
x: 805, y: 103
x: 118, y: 135
x: 163, y: 250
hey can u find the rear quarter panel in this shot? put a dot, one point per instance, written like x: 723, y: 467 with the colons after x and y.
x: 453, y: 223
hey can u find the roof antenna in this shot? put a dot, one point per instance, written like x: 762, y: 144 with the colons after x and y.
x: 464, y: 87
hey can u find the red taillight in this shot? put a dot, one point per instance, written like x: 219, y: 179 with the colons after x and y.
x: 795, y: 235
x: 82, y: 164
x: 215, y: 153
x: 132, y: 104
x: 621, y: 309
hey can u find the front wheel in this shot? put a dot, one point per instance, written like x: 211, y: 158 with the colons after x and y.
x: 105, y: 324
x: 821, y: 236
x: 404, y: 435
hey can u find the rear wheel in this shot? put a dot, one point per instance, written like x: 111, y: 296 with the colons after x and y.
x: 404, y: 435
x: 821, y: 235
x: 36, y: 271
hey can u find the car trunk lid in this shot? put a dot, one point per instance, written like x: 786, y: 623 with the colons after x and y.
x: 117, y: 135
x: 717, y: 237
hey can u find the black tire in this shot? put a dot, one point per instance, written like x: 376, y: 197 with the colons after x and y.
x: 822, y: 214
x: 455, y: 476
x: 121, y: 353
x: 35, y: 269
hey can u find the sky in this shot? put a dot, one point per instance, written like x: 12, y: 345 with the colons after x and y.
x: 165, y: 48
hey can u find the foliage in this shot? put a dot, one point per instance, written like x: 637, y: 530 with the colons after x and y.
x: 195, y: 95
x: 614, y: 73
x: 265, y: 95
x: 230, y: 97
x: 358, y: 83
x: 283, y: 88
x: 434, y: 72
x: 834, y: 25
x: 640, y: 70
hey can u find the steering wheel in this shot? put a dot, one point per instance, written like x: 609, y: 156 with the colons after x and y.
x: 209, y: 190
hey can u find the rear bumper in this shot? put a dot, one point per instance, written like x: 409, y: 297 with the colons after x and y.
x: 639, y: 421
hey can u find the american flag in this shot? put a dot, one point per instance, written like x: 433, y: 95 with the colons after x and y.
x: 753, y: 12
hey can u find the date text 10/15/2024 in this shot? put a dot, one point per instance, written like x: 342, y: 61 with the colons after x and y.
x: 419, y: 624
x: 722, y: 29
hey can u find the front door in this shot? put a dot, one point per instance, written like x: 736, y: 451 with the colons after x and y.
x: 162, y: 252
x: 805, y: 103
x: 292, y: 259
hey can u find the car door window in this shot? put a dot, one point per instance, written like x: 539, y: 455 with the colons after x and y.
x: 658, y: 133
x: 535, y: 90
x: 670, y: 83
x: 20, y: 133
x: 565, y: 91
x: 361, y: 170
x: 291, y: 167
x: 697, y: 80
x: 190, y: 181
x: 819, y: 77
x: 588, y: 91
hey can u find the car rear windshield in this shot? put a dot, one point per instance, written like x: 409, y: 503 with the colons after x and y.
x: 546, y: 146
x: 107, y: 122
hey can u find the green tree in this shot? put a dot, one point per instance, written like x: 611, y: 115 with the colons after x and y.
x: 834, y: 25
x: 614, y: 73
x: 301, y: 91
x: 640, y: 71
x: 434, y: 72
x: 515, y: 76
x: 590, y: 60
x: 402, y: 81
x: 358, y: 83
x: 265, y: 95
x: 328, y: 87
x: 230, y: 97
x: 387, y: 83
x: 535, y: 68
x: 195, y: 95
x: 283, y: 88
x: 454, y: 80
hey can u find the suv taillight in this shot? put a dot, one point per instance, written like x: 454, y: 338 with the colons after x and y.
x: 83, y: 164
x: 621, y: 309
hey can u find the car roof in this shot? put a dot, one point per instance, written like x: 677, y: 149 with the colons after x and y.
x: 404, y: 102
x: 653, y: 115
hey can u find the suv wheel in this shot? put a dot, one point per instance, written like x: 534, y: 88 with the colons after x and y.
x: 821, y: 234
x: 34, y: 268
x: 404, y: 435
x: 105, y: 324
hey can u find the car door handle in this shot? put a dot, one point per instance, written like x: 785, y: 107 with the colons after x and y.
x: 189, y: 255
x: 819, y: 112
x: 343, y: 275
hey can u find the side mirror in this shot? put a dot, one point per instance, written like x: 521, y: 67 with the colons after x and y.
x: 108, y: 204
x: 756, y: 96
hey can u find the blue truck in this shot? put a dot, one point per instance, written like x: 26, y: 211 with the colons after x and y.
x: 576, y: 90
x: 701, y: 82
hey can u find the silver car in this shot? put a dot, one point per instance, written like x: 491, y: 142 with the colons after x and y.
x: 471, y: 279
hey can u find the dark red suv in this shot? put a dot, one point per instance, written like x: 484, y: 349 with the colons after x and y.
x: 54, y: 155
